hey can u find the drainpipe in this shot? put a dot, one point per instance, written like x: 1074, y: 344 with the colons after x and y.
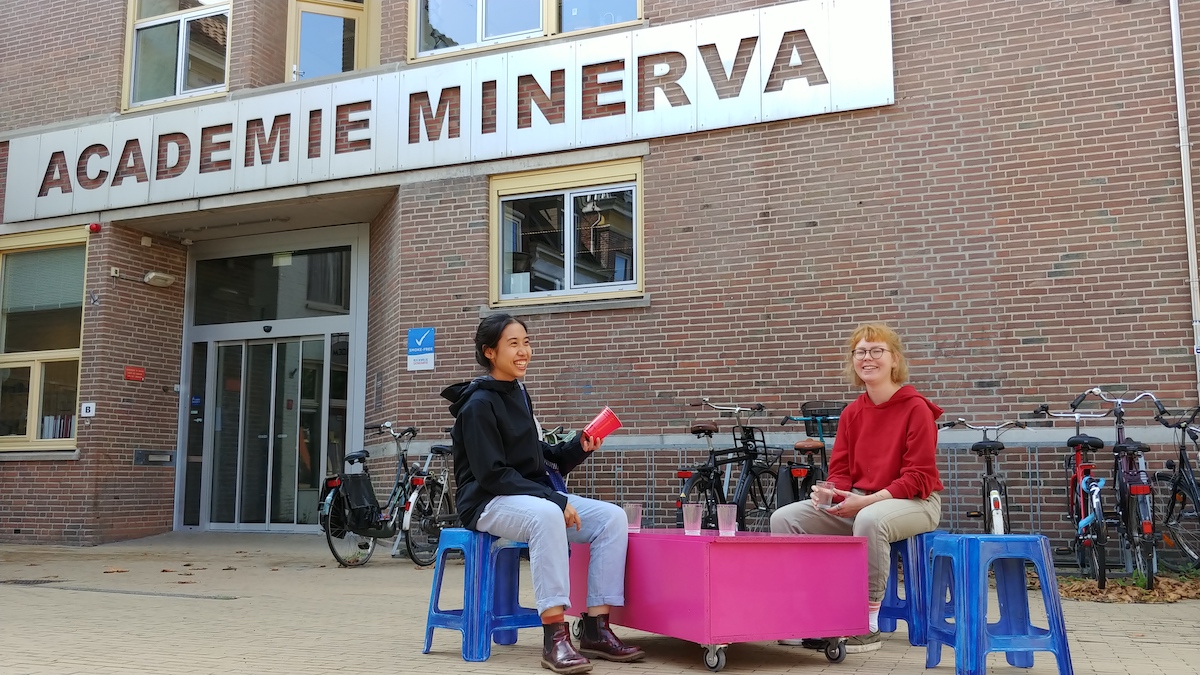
x: 1185, y: 159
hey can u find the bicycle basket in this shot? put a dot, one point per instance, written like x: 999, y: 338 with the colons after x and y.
x: 821, y: 409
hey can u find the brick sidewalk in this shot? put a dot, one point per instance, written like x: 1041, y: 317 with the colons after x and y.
x: 267, y: 604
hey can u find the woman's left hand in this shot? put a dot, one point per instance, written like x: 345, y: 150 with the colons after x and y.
x: 851, y: 503
x: 589, y: 444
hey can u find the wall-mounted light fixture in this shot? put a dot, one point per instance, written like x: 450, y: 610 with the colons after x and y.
x: 160, y: 279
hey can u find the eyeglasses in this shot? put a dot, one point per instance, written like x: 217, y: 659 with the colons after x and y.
x: 875, y: 352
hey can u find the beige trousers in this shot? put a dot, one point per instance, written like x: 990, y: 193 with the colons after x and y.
x: 881, y: 523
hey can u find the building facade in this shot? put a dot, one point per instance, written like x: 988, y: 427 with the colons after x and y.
x: 236, y: 231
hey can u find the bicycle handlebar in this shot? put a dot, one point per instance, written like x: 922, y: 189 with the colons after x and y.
x: 806, y: 418
x: 1044, y: 409
x: 736, y: 409
x: 997, y: 428
x: 410, y: 432
x: 1117, y: 400
x: 1181, y: 424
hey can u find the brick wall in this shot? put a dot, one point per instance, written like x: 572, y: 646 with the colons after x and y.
x: 257, y: 43
x: 102, y: 496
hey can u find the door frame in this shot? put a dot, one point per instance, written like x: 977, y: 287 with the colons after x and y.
x: 355, y: 323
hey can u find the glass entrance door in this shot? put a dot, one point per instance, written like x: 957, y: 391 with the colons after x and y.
x: 278, y: 411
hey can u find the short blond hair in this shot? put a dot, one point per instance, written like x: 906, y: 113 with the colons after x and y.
x: 876, y: 332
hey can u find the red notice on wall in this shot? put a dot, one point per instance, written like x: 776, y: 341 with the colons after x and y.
x: 135, y: 374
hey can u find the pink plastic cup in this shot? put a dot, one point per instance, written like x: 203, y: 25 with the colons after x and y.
x: 604, y: 424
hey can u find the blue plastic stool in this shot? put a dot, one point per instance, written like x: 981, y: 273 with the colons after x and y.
x: 960, y: 566
x: 490, y: 586
x: 914, y: 553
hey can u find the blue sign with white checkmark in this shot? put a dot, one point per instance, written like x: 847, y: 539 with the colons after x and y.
x: 420, y: 348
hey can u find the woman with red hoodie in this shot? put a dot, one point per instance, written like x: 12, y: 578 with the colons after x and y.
x: 883, y: 467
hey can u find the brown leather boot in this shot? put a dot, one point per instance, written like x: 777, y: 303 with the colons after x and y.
x: 600, y: 642
x: 558, y: 654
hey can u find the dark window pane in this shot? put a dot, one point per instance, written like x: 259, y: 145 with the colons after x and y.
x: 14, y: 401
x: 604, y: 237
x: 533, y: 254
x: 155, y: 62
x: 267, y: 287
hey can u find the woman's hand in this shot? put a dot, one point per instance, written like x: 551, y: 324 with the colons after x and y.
x: 589, y: 444
x: 851, y: 503
x: 571, y: 516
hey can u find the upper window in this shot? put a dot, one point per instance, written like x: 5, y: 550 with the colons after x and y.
x: 273, y: 286
x: 326, y: 37
x: 459, y: 24
x: 41, y: 315
x: 180, y: 49
x: 567, y: 234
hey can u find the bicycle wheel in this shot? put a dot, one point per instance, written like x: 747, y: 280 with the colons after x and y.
x: 1096, y: 555
x: 1090, y: 547
x: 1179, y: 520
x: 348, y: 548
x: 1141, y: 545
x: 758, y: 502
x: 700, y: 490
x: 425, y: 527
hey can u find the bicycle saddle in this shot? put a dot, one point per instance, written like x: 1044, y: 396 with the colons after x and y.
x: 809, y: 445
x: 1083, y: 439
x: 1130, y: 446
x: 440, y: 449
x: 704, y: 428
x: 360, y: 456
x: 987, y: 447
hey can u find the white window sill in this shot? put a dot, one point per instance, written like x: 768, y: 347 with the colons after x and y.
x: 38, y: 455
x: 564, y: 307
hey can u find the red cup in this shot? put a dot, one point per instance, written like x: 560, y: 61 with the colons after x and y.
x: 604, y: 424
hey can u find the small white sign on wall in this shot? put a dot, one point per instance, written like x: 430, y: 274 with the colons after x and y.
x: 87, y: 409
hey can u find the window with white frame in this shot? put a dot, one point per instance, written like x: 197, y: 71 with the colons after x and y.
x: 180, y: 48
x: 41, y: 314
x: 459, y: 24
x: 568, y: 233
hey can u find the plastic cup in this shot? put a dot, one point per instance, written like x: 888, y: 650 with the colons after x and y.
x: 633, y: 514
x: 727, y: 519
x: 823, y: 498
x: 691, y: 518
x: 604, y: 424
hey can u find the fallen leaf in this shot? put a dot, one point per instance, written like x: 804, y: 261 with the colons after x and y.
x: 185, y: 574
x: 185, y: 582
x: 226, y: 569
x: 166, y: 570
x: 239, y: 551
x: 31, y: 564
x: 274, y: 569
x: 114, y: 570
x: 187, y: 564
x: 199, y: 569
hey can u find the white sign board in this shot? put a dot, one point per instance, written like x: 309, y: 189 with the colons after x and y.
x: 779, y: 62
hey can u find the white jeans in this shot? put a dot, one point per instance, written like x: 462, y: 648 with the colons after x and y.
x: 539, y: 522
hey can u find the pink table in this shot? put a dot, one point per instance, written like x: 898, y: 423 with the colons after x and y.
x: 716, y: 590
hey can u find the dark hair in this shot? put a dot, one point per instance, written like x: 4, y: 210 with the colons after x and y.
x: 488, y: 335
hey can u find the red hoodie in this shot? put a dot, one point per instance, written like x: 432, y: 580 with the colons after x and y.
x: 890, y: 446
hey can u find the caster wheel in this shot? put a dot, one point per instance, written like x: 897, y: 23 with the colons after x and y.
x: 714, y: 659
x: 835, y: 651
x: 577, y: 630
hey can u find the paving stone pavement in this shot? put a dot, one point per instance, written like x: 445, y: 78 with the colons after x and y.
x: 263, y: 604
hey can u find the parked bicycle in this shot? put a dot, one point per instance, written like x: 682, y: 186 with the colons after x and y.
x: 353, y: 519
x: 1085, y: 506
x: 796, y: 479
x: 754, y: 492
x: 429, y: 509
x: 1178, y: 515
x: 994, y: 506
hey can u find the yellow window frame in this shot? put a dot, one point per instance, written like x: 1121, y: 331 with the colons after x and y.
x: 35, y: 361
x: 131, y: 25
x: 367, y: 35
x: 551, y: 29
x: 552, y: 180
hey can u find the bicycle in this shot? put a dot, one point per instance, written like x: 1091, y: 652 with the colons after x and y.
x: 799, y: 477
x: 1179, y: 517
x: 994, y: 513
x: 428, y: 510
x: 1085, y: 507
x: 754, y: 493
x: 350, y: 514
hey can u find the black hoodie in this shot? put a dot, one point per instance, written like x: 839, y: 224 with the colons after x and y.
x: 496, y: 446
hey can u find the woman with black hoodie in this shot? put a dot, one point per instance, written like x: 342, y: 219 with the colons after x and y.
x: 503, y: 489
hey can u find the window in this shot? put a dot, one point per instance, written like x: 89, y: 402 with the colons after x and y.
x: 326, y: 37
x: 567, y: 234
x: 180, y: 48
x: 41, y: 315
x: 273, y: 286
x: 444, y: 25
